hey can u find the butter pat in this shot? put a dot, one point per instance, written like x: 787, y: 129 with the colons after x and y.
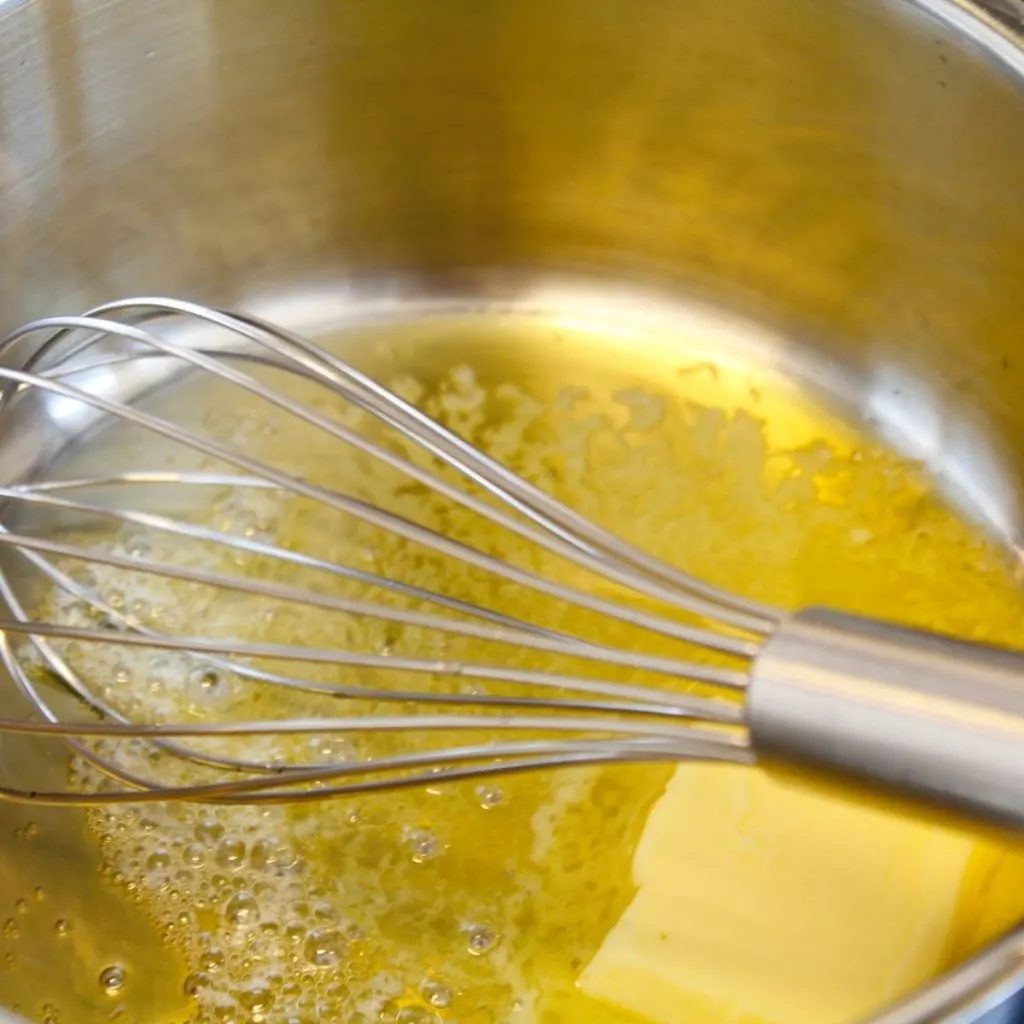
x: 760, y: 901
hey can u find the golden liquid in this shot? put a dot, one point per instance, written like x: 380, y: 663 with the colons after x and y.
x: 465, y: 901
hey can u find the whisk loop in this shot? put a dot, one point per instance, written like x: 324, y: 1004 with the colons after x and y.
x: 582, y: 718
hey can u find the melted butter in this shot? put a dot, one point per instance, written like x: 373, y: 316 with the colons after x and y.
x: 482, y: 902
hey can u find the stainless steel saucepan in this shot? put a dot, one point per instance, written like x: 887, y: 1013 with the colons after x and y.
x: 849, y: 171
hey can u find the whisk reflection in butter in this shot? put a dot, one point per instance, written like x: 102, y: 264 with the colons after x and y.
x: 828, y: 690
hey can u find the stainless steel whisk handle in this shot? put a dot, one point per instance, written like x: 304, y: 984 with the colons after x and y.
x: 917, y: 714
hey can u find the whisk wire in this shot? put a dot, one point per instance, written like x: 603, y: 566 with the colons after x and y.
x: 397, y: 525
x: 592, y: 720
x: 557, y: 520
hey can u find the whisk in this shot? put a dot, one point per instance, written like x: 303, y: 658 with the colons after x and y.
x: 918, y: 715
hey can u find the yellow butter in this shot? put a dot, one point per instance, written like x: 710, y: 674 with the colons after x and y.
x: 760, y: 901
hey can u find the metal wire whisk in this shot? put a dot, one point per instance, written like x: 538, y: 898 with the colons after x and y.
x: 916, y: 714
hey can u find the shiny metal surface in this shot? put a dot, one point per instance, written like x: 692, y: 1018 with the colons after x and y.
x: 847, y: 174
x: 916, y: 712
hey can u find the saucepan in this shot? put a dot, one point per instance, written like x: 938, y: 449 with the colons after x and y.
x: 851, y: 172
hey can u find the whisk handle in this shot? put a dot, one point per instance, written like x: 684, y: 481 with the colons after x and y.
x: 914, y: 713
